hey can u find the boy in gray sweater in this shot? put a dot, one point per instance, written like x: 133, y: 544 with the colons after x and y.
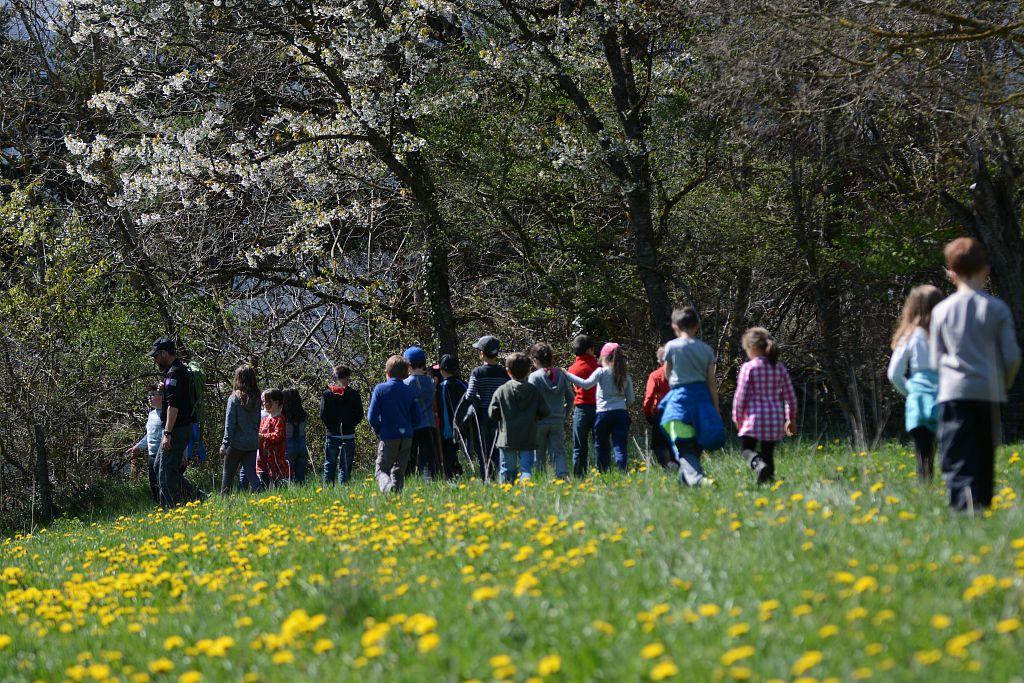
x: 516, y: 407
x: 974, y: 347
x: 557, y: 393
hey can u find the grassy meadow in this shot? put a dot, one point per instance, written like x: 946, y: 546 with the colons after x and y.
x: 845, y: 570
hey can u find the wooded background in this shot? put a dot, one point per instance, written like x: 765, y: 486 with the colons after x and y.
x: 296, y: 184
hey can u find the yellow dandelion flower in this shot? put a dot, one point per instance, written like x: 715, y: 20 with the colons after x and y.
x: 941, y: 621
x: 927, y: 657
x: 323, y: 645
x: 1008, y: 625
x: 740, y: 673
x: 428, y: 642
x: 283, y: 657
x: 664, y: 669
x: 190, y: 677
x: 548, y: 665
x: 500, y: 661
x: 652, y: 650
x: 709, y: 610
x: 828, y: 630
x: 485, y: 593
x: 806, y: 662
x: 173, y: 642
x: 737, y: 654
x: 5, y: 640
x: 738, y: 629
x: 161, y: 666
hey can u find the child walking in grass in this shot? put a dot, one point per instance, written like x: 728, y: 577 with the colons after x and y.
x: 450, y: 391
x: 272, y: 462
x: 393, y: 415
x: 424, y: 436
x: 690, y: 414
x: 516, y: 407
x: 912, y: 373
x: 614, y: 395
x: 241, y: 431
x: 341, y: 409
x: 557, y: 391
x: 764, y: 407
x: 296, y: 447
x: 974, y: 347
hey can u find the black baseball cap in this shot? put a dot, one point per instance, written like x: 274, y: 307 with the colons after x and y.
x: 488, y: 344
x: 162, y: 344
x: 449, y: 363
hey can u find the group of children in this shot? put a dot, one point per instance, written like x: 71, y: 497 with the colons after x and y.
x: 511, y: 416
x: 955, y: 359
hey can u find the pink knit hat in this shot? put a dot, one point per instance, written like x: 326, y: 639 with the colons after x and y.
x: 609, y: 348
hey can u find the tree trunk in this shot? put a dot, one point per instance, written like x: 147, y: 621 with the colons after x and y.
x: 43, y: 477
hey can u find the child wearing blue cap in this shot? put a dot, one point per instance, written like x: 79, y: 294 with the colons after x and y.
x: 424, y: 435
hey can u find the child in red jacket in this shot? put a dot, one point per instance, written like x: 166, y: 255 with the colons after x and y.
x: 272, y: 462
x: 657, y: 387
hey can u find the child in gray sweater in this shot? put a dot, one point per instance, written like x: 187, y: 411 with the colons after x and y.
x: 974, y: 348
x: 557, y: 393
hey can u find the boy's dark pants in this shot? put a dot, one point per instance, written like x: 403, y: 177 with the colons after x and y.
x: 660, y: 446
x: 424, y: 452
x: 968, y: 433
x: 450, y: 455
x: 583, y: 418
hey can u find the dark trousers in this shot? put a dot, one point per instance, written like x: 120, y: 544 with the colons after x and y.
x: 583, y: 418
x: 154, y: 477
x: 924, y: 449
x: 169, y: 466
x: 423, y: 458
x: 298, y: 462
x: 234, y: 461
x: 487, y: 456
x: 451, y: 467
x: 968, y: 433
x: 613, y: 426
x: 339, y: 455
x: 761, y: 460
x: 660, y: 446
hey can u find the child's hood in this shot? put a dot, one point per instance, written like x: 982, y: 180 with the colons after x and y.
x: 544, y: 383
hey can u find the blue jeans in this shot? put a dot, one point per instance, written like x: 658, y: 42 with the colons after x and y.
x: 510, y: 461
x: 611, y: 425
x: 582, y: 428
x: 339, y: 454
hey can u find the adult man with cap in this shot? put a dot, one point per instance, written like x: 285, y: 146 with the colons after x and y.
x: 450, y: 391
x: 483, y: 382
x: 177, y: 414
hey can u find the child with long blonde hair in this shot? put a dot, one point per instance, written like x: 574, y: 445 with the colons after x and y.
x: 912, y: 373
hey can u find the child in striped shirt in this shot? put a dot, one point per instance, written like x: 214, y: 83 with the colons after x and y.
x: 764, y: 408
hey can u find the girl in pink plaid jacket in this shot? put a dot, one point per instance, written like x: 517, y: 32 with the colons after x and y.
x: 764, y: 408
